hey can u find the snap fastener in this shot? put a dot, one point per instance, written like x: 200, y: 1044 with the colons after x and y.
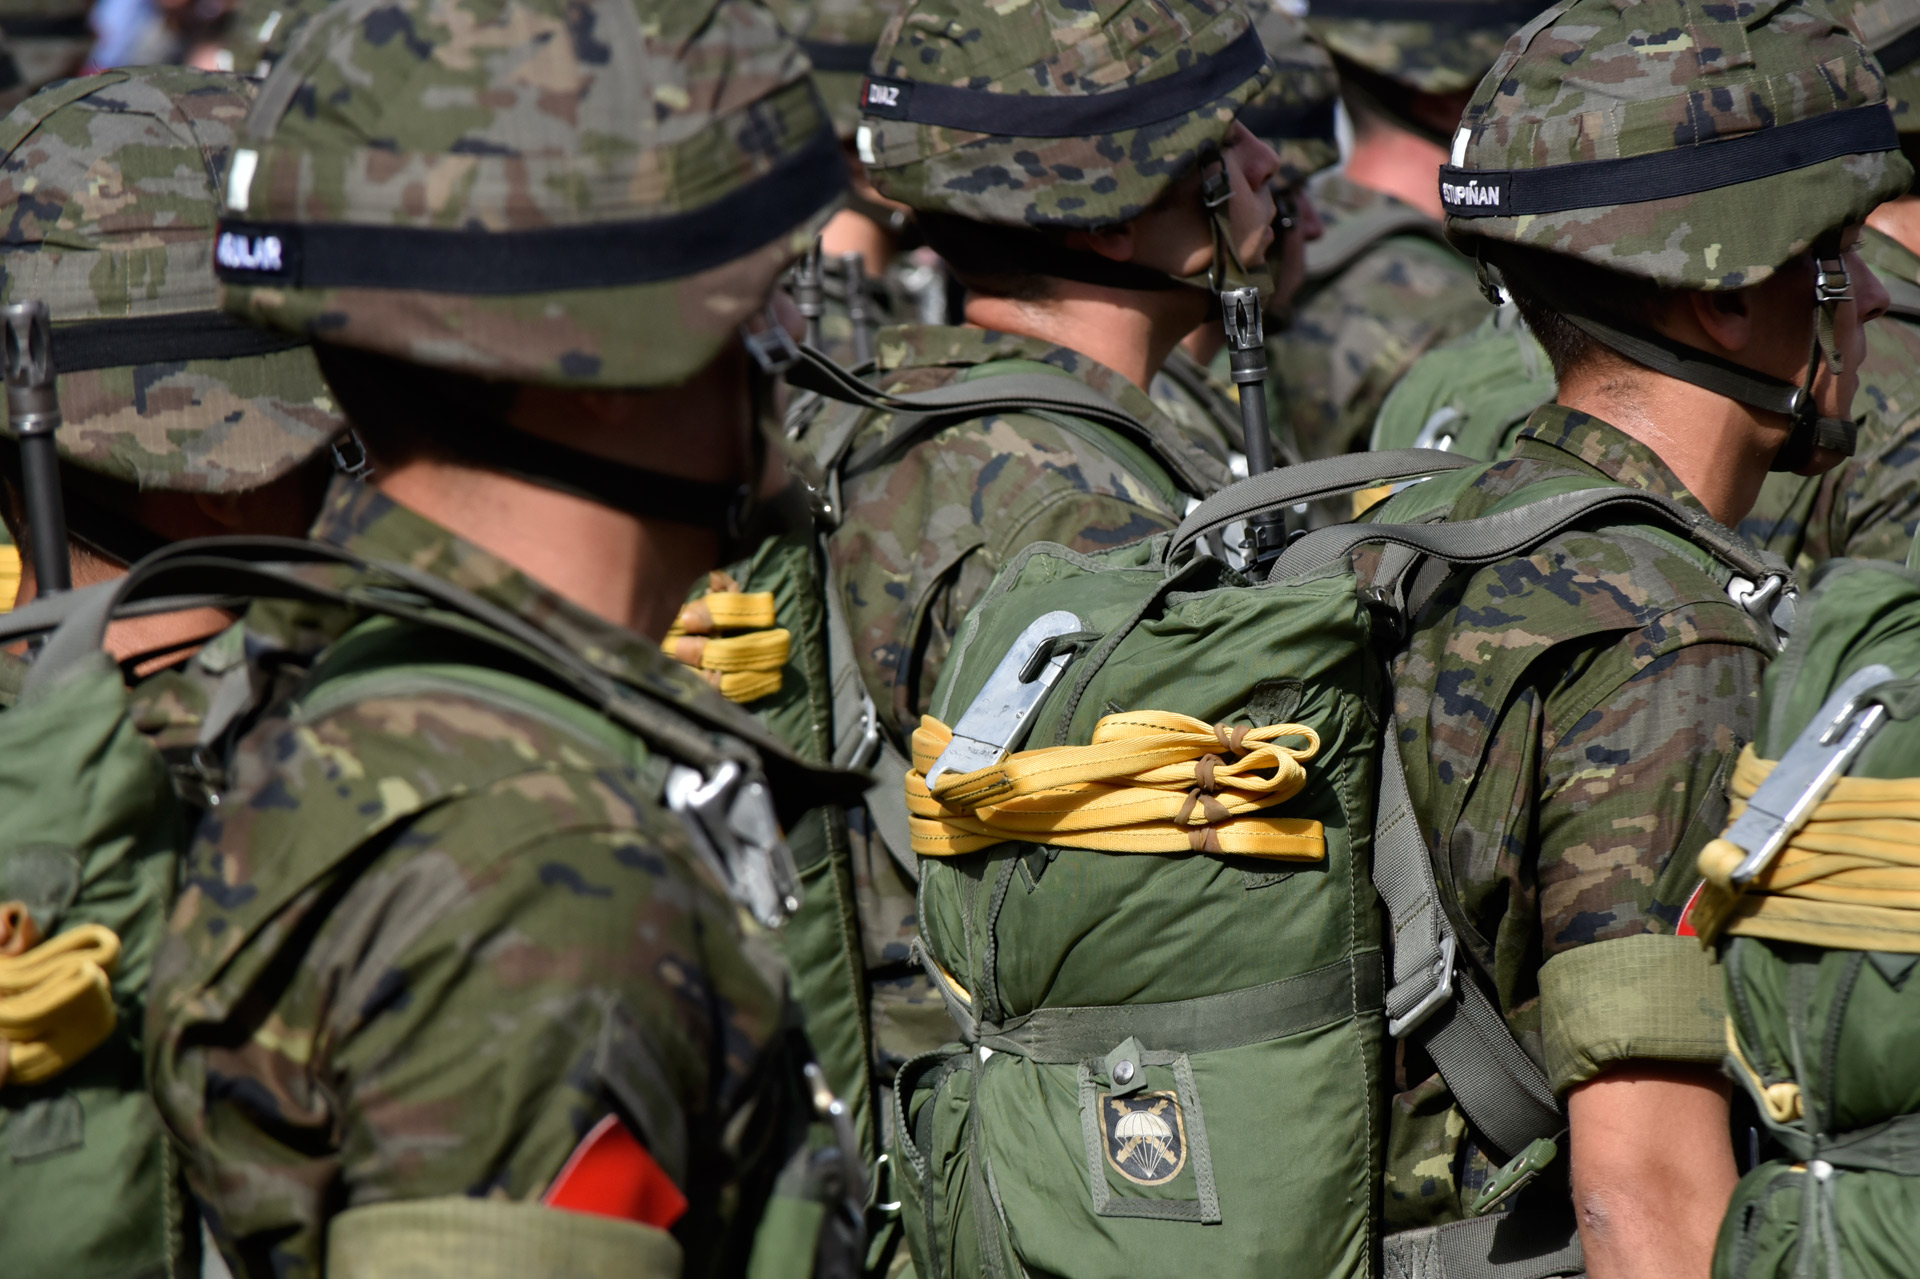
x: 1123, y: 1072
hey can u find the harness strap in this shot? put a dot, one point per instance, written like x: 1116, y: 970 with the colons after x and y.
x: 1308, y: 482
x: 1502, y: 1245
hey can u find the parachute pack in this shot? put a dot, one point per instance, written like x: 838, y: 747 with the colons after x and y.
x: 1156, y: 832
x: 99, y: 814
x: 1810, y: 897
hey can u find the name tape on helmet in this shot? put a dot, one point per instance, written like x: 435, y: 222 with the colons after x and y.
x: 1705, y: 165
x: 1197, y: 86
x: 251, y: 254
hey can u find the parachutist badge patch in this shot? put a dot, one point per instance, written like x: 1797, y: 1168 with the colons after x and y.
x: 1146, y: 1136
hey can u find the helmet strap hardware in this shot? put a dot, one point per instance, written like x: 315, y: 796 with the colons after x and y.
x: 771, y: 346
x: 1216, y: 188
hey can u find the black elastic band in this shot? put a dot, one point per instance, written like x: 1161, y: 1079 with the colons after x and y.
x: 1508, y: 15
x: 162, y: 339
x: 1897, y: 54
x: 825, y: 55
x: 78, y: 27
x: 701, y: 503
x: 1705, y: 165
x: 480, y: 262
x: 1290, y: 121
x: 1036, y: 115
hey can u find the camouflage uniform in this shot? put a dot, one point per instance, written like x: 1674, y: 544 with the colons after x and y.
x: 1382, y: 286
x: 1568, y: 717
x: 443, y: 930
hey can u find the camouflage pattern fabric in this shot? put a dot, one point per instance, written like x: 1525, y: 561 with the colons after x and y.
x: 1294, y: 113
x: 431, y: 937
x: 601, y: 130
x: 1371, y: 307
x: 261, y: 31
x: 1086, y: 181
x: 1567, y: 719
x: 1202, y: 402
x: 1442, y: 54
x: 1600, y: 81
x: 839, y: 37
x: 1866, y: 508
x: 41, y: 41
x: 923, y: 534
x: 109, y: 193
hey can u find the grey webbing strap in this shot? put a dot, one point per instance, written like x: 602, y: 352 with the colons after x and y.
x: 925, y: 411
x: 1500, y: 1245
x: 860, y: 739
x: 1350, y: 235
x: 1209, y: 1023
x: 1502, y: 1091
x: 1495, y: 537
x: 1308, y: 482
x: 235, y: 567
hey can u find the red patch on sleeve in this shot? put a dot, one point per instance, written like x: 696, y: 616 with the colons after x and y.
x: 610, y: 1174
x: 1686, y: 928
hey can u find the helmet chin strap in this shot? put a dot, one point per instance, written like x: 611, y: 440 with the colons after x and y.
x: 1684, y: 363
x: 1226, y: 270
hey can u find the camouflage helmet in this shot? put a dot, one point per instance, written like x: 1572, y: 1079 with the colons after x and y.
x: 579, y: 193
x: 1294, y: 114
x: 1696, y: 147
x: 1053, y: 113
x: 41, y: 41
x: 1891, y: 29
x: 1431, y: 46
x: 838, y: 37
x: 109, y: 191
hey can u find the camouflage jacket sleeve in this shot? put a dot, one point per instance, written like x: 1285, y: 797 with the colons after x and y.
x: 1871, y: 508
x: 924, y: 536
x: 389, y: 978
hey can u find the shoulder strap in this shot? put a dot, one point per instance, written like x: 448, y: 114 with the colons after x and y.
x: 1351, y: 234
x: 1499, y: 1087
x: 924, y: 412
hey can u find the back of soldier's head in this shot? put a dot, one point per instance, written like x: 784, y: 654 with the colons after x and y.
x: 1294, y: 114
x: 531, y: 191
x: 1393, y: 54
x: 108, y: 190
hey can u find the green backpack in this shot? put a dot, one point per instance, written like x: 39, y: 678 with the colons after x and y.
x: 1820, y: 946
x: 97, y: 815
x: 822, y: 710
x: 1170, y: 1060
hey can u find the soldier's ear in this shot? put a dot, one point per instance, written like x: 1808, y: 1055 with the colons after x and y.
x: 1724, y: 315
x: 1115, y: 242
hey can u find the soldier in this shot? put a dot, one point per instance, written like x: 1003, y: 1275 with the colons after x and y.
x: 1294, y: 116
x: 1475, y: 393
x: 41, y: 41
x: 1087, y: 256
x: 1568, y: 717
x: 896, y: 276
x: 1382, y: 286
x: 454, y: 984
x: 179, y: 420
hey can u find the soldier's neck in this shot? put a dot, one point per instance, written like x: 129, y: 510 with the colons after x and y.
x: 1719, y: 449
x: 1403, y: 165
x: 1130, y: 332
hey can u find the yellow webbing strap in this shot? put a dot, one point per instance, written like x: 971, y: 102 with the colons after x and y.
x: 1848, y: 879
x: 56, y: 1002
x: 743, y: 667
x: 1149, y: 782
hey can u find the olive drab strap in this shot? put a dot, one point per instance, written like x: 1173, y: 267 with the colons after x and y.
x: 1350, y: 235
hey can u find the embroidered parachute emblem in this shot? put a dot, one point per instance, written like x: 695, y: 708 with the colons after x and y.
x: 1146, y: 1137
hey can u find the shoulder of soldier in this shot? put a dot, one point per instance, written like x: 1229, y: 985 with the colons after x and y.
x: 1473, y: 391
x: 1889, y: 385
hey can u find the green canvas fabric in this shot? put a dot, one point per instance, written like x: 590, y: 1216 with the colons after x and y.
x: 1049, y: 48
x: 1171, y: 962
x: 1842, y: 1024
x: 110, y: 189
x: 500, y: 117
x: 1592, y: 80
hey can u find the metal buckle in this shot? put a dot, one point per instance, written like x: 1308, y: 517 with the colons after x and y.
x: 771, y: 346
x: 1822, y: 753
x: 1216, y: 188
x: 1831, y: 283
x: 355, y: 463
x: 730, y: 816
x: 987, y: 730
x: 1765, y: 603
x: 1442, y: 972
